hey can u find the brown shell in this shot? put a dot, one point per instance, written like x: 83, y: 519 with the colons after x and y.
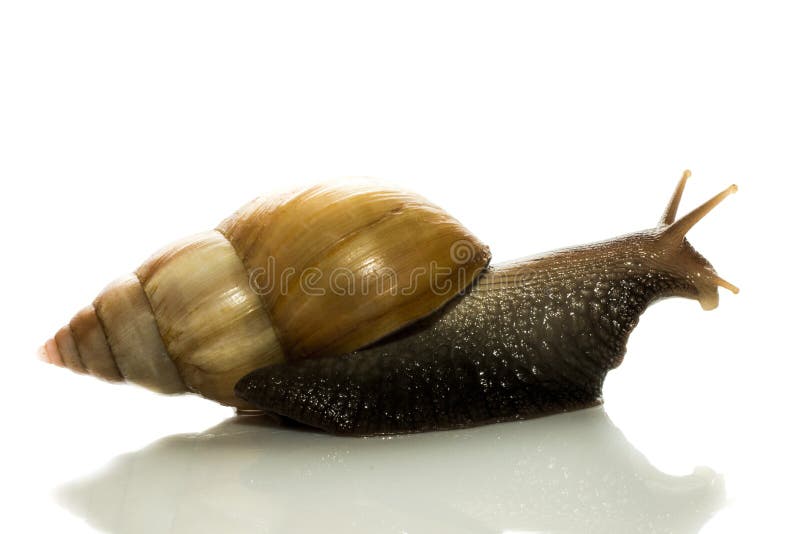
x: 318, y: 272
x: 359, y: 262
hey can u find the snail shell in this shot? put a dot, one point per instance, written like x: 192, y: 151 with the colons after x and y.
x: 308, y: 274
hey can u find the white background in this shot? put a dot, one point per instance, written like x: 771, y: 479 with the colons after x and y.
x: 126, y: 125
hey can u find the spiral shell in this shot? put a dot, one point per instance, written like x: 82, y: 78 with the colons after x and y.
x: 317, y: 272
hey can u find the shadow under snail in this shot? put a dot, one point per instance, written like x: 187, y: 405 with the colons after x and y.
x: 359, y: 309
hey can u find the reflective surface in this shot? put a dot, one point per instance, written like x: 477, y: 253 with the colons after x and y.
x: 574, y: 472
x: 537, y: 124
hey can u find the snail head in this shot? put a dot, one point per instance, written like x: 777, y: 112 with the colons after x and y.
x: 678, y: 257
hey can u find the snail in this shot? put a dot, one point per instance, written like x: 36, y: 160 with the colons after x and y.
x: 360, y: 310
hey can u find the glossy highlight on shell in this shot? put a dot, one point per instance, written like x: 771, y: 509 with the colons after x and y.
x: 362, y: 310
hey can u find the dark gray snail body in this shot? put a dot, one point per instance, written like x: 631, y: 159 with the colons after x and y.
x: 529, y: 338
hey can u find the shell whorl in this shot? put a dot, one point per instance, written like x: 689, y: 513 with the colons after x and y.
x: 194, y: 318
x: 386, y: 246
x: 133, y: 336
x: 212, y: 323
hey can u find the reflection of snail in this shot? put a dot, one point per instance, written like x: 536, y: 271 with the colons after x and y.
x: 569, y: 474
x: 445, y: 342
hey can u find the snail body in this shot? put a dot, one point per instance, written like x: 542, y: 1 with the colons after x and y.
x: 519, y: 340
